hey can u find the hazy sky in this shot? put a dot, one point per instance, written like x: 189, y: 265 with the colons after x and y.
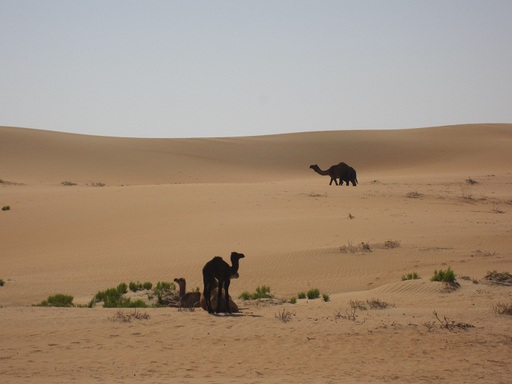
x: 236, y: 68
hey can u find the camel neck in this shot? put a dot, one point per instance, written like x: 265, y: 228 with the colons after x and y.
x: 234, y: 266
x: 318, y: 170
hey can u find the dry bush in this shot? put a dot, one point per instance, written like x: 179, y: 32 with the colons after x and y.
x: 284, y: 315
x: 350, y: 314
x: 445, y: 323
x: 68, y: 183
x: 500, y: 278
x: 392, y: 244
x: 128, y: 317
x: 502, y: 309
x: 316, y: 195
x: 378, y: 304
x: 471, y: 181
x: 351, y: 248
x: 413, y: 195
x: 358, y: 304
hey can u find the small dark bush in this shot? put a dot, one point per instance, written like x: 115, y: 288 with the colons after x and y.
x: 301, y: 295
x: 410, y: 276
x: 447, y: 276
x: 6, y: 208
x: 313, y: 294
x: 58, y: 300
x: 147, y: 285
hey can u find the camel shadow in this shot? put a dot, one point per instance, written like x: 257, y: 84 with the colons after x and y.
x: 238, y: 314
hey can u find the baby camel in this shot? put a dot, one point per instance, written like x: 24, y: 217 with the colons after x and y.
x: 217, y: 270
x: 187, y: 299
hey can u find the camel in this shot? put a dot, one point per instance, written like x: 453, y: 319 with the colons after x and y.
x: 340, y: 171
x: 218, y: 270
x: 187, y: 299
x: 213, y: 300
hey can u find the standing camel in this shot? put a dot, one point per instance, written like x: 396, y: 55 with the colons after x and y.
x: 340, y: 171
x: 218, y: 270
x: 187, y: 299
x: 332, y: 172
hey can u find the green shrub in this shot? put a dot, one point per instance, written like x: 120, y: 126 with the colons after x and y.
x: 58, y: 300
x: 2, y: 282
x: 301, y: 295
x: 6, y: 208
x: 313, y: 294
x: 293, y: 300
x: 163, y: 285
x: 262, y: 292
x: 134, y: 287
x: 245, y: 296
x: 410, y: 276
x: 447, y: 276
x: 326, y: 297
x: 122, y: 288
x: 147, y: 285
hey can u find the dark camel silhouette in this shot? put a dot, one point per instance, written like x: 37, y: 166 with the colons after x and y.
x: 187, y: 299
x: 340, y: 171
x: 213, y: 300
x: 218, y: 271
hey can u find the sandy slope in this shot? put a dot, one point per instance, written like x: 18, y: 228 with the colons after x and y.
x: 169, y: 205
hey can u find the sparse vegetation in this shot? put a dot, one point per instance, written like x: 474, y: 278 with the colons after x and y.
x: 502, y: 309
x: 471, y: 181
x: 284, y: 315
x: 378, y: 304
x: 326, y: 297
x: 413, y: 195
x: 301, y: 295
x: 6, y: 208
x: 392, y: 244
x: 317, y: 195
x: 445, y: 323
x: 447, y: 276
x: 2, y: 282
x: 410, y: 276
x: 58, y: 300
x: 68, y: 183
x: 350, y: 314
x: 128, y: 317
x: 293, y: 300
x: 371, y: 304
x: 351, y: 248
x: 358, y: 304
x: 134, y: 287
x: 114, y: 298
x: 500, y: 278
x: 262, y: 292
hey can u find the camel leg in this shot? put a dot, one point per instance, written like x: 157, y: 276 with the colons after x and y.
x: 219, y: 296
x: 226, y: 289
x: 206, y: 294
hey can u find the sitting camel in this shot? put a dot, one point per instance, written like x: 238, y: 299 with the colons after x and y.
x: 217, y: 271
x: 187, y: 299
x: 213, y: 300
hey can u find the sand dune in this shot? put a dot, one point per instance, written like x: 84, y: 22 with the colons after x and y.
x: 156, y: 209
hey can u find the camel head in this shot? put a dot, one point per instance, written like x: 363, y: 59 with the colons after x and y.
x: 179, y: 280
x: 236, y: 256
x: 314, y: 166
x: 235, y: 276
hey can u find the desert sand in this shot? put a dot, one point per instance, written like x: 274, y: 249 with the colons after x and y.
x: 155, y: 209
